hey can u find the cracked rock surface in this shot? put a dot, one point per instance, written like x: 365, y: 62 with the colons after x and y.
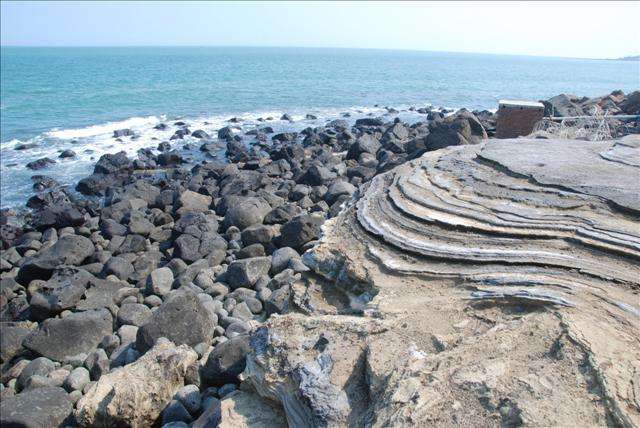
x: 480, y: 285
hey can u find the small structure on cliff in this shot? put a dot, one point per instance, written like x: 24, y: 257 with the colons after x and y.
x: 517, y: 118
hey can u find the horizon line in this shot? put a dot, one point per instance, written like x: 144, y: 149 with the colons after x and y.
x: 313, y: 47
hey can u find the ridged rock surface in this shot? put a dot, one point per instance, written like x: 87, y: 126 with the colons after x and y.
x: 477, y: 285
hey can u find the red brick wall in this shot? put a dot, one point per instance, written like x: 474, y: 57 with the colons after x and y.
x: 515, y: 121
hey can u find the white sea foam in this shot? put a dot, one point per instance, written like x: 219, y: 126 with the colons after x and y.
x: 105, y: 128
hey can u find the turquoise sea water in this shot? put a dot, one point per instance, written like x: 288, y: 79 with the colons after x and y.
x: 74, y: 98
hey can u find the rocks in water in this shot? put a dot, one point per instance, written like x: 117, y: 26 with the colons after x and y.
x: 369, y: 121
x: 65, y: 154
x: 41, y: 407
x: 40, y: 163
x: 122, y: 133
x: 226, y: 361
x: 182, y: 318
x: 137, y: 394
x: 200, y: 134
x: 76, y: 333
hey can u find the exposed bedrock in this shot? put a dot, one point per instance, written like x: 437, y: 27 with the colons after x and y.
x: 476, y: 285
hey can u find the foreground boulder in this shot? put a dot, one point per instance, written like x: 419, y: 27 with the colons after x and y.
x: 137, y: 394
x: 68, y: 250
x: 182, y: 318
x: 226, y: 361
x: 75, y: 334
x: 40, y: 407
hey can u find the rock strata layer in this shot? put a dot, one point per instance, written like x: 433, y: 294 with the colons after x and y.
x: 484, y: 284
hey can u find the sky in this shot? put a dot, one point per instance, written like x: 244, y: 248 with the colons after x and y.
x: 570, y: 29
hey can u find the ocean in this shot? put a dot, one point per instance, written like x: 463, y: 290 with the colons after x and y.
x: 74, y: 98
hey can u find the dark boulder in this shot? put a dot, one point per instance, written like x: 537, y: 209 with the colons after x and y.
x: 122, y: 133
x: 366, y: 143
x: 370, y: 121
x: 40, y: 163
x: 226, y: 361
x: 459, y: 129
x: 245, y: 272
x: 77, y: 333
x: 68, y: 250
x: 41, y: 407
x: 182, y: 318
x: 63, y: 291
x: 67, y: 154
x: 246, y: 212
x: 11, y: 337
x: 199, y: 133
x: 113, y: 164
x: 301, y: 230
x: 57, y: 215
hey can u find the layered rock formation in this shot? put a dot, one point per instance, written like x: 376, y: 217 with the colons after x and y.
x: 477, y: 285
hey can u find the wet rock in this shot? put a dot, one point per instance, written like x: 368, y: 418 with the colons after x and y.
x: 369, y: 121
x: 200, y: 134
x: 78, y: 332
x: 126, y: 132
x: 182, y: 318
x: 67, y: 154
x: 137, y: 394
x: 40, y: 163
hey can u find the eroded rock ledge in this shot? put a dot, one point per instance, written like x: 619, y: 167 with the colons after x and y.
x: 477, y: 285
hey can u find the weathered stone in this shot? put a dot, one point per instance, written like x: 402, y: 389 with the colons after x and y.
x: 136, y: 394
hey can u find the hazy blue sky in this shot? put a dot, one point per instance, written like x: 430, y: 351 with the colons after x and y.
x: 574, y: 29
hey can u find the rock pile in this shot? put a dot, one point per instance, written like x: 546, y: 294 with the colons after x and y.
x: 139, y: 304
x: 159, y: 298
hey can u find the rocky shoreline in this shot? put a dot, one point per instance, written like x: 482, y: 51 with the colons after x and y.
x: 159, y: 297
